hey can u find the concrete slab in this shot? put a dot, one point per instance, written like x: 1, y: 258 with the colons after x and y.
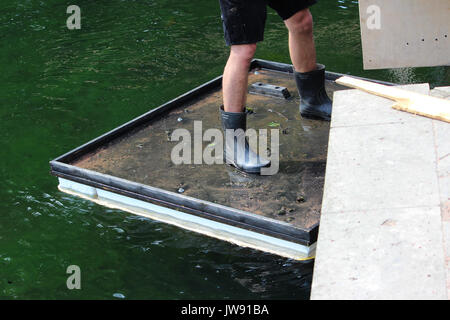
x: 442, y: 92
x: 446, y: 231
x: 369, y: 167
x: 380, y: 254
x: 381, y: 232
x: 442, y: 145
x: 357, y: 108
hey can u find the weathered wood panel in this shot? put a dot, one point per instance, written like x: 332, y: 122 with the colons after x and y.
x: 405, y: 33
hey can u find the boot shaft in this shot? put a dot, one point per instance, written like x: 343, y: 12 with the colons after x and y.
x: 311, y: 81
x: 314, y: 101
x: 233, y: 120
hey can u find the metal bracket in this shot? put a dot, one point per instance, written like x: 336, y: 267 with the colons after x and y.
x: 269, y: 90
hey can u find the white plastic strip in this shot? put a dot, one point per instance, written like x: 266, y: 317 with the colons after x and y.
x: 191, y: 222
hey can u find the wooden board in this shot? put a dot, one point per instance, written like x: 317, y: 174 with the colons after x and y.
x: 405, y: 33
x: 424, y: 105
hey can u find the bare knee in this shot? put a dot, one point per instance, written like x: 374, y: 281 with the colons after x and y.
x: 300, y: 23
x: 243, y: 52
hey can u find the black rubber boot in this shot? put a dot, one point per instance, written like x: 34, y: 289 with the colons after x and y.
x: 314, y: 101
x: 236, y: 150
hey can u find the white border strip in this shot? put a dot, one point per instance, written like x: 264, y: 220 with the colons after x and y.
x: 239, y: 236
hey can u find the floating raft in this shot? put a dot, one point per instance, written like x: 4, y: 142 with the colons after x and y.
x: 130, y: 168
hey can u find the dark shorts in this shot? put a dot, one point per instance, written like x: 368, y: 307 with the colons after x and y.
x: 244, y: 20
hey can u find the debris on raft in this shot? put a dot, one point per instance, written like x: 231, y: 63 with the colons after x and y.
x: 130, y: 168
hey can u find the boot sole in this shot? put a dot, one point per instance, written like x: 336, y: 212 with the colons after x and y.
x: 255, y: 171
x: 314, y: 117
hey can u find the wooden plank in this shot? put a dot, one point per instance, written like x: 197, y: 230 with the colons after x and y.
x: 405, y: 33
x: 411, y: 102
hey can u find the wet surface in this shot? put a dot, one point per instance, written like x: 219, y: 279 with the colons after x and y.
x: 293, y: 195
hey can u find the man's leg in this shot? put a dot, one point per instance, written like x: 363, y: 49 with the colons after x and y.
x: 309, y: 76
x: 234, y: 87
x: 301, y: 41
x: 235, y: 77
x: 243, y: 22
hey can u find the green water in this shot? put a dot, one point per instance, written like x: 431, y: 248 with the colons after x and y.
x: 61, y: 88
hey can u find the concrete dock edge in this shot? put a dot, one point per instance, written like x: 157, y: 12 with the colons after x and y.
x: 385, y: 220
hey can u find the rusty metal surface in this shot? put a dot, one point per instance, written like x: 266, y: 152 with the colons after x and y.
x: 293, y: 195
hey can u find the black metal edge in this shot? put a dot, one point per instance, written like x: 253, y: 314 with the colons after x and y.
x: 134, y: 123
x: 288, y: 68
x: 202, y: 208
